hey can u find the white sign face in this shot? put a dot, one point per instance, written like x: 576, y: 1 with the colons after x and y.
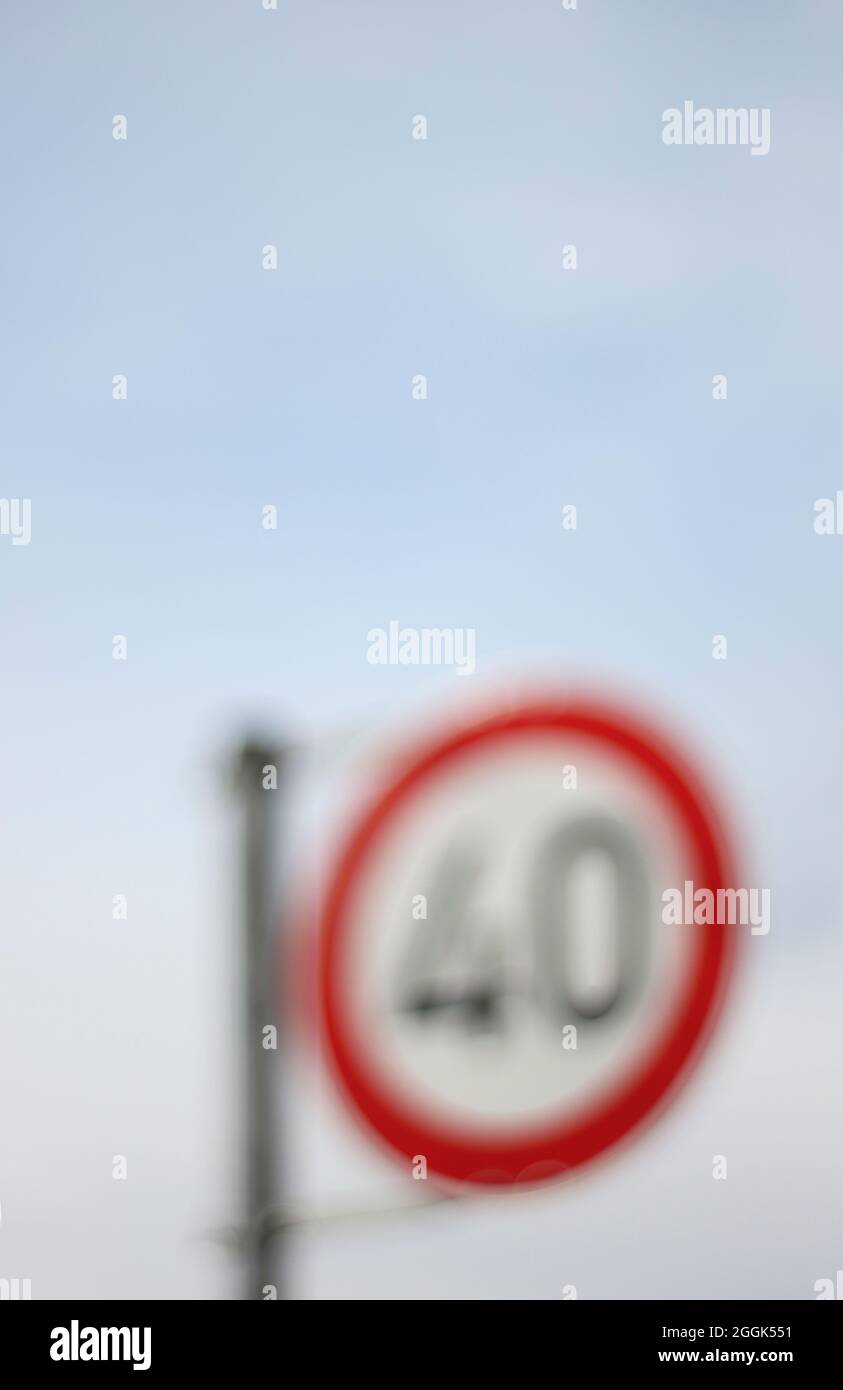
x: 501, y: 993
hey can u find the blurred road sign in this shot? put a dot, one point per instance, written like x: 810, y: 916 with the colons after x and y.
x: 499, y: 993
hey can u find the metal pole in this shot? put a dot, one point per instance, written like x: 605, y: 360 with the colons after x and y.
x: 259, y: 770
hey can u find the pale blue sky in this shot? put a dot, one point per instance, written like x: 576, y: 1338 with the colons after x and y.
x: 245, y: 387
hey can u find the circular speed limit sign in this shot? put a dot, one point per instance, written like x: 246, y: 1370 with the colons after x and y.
x: 498, y: 989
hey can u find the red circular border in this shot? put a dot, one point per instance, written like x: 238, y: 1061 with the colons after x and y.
x: 553, y: 1148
